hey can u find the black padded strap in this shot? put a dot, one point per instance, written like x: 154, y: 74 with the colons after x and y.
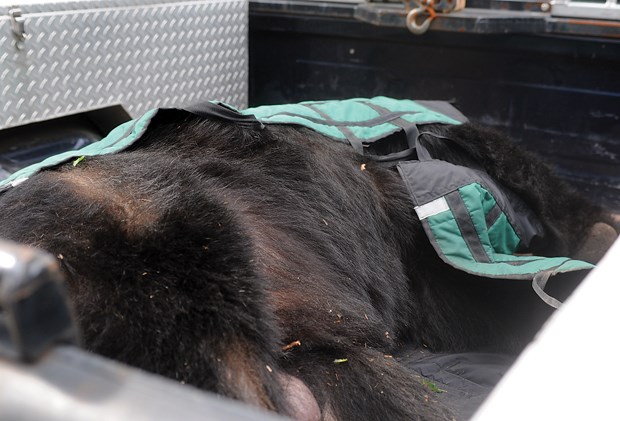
x: 223, y: 112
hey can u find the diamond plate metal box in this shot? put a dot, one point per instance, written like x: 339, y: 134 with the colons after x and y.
x: 85, y: 55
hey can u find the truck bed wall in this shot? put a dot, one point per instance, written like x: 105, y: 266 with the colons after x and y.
x: 557, y: 95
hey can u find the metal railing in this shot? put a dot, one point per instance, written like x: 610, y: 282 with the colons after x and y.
x: 609, y: 9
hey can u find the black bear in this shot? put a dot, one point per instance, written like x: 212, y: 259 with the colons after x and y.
x: 276, y: 266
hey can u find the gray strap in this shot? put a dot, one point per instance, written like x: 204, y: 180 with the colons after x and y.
x: 493, y: 215
x: 394, y: 157
x: 539, y: 282
x: 410, y: 129
x: 423, y: 153
x: 466, y: 226
x: 328, y: 120
x: 356, y: 142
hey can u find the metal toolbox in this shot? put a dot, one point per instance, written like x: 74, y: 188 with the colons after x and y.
x: 68, y: 57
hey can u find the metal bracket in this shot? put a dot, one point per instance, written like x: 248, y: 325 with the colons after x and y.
x: 18, y: 27
x: 35, y: 311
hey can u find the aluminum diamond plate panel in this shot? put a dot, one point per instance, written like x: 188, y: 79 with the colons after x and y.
x: 122, y: 52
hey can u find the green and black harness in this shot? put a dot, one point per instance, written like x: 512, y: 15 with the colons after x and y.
x: 473, y: 223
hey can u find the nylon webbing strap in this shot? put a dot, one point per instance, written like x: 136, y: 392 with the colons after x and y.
x: 423, y: 153
x: 355, y: 142
x: 372, y: 127
x: 385, y: 116
x: 388, y: 118
x: 466, y: 226
x: 493, y: 215
x: 219, y: 110
x: 410, y: 129
x: 539, y: 283
x: 411, y: 133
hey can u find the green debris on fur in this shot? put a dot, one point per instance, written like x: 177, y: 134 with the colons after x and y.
x: 77, y: 161
x: 432, y: 386
x: 340, y: 360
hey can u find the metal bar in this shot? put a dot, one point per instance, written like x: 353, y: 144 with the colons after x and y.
x: 504, y: 20
x: 69, y: 384
x: 610, y: 10
x: 481, y: 21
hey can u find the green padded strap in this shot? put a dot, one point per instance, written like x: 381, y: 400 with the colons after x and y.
x: 356, y: 119
x: 118, y: 139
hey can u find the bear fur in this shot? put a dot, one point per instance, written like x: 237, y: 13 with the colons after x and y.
x: 278, y: 267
